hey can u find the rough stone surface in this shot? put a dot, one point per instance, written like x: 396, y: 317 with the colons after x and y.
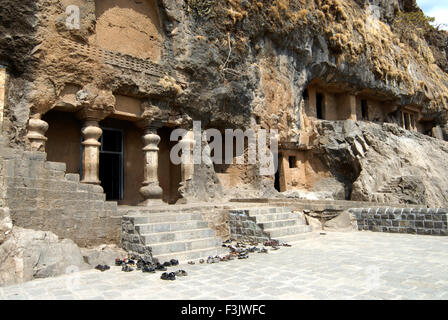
x: 387, y: 152
x: 103, y: 255
x: 342, y: 223
x: 29, y: 254
x: 315, y: 223
x: 5, y: 224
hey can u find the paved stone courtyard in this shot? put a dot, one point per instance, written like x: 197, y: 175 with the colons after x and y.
x: 361, y: 265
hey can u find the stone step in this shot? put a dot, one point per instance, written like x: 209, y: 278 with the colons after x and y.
x: 276, y: 216
x: 164, y: 217
x: 148, y: 228
x: 269, y: 210
x: 186, y: 256
x: 181, y: 246
x: 286, y: 231
x: 260, y: 211
x: 48, y: 195
x: 178, y: 236
x: 277, y: 224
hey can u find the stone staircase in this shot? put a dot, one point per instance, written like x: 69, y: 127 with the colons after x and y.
x: 264, y: 223
x: 169, y: 235
x: 42, y: 196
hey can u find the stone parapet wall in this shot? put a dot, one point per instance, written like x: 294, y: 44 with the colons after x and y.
x: 41, y: 196
x: 422, y: 221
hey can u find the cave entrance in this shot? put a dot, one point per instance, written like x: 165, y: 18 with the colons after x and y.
x: 277, y: 184
x: 111, y: 163
x: 320, y: 108
x: 364, y: 110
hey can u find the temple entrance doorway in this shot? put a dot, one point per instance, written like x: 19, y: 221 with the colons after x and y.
x: 111, y: 163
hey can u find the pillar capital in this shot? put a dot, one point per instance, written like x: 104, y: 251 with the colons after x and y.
x: 36, y: 133
x: 92, y: 115
x: 149, y: 125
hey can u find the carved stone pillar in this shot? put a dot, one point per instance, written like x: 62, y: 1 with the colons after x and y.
x: 151, y: 191
x: 36, y: 133
x: 91, y: 133
x: 187, y: 166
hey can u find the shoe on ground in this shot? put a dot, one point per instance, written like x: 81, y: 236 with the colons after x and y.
x: 148, y: 269
x: 191, y: 262
x: 118, y: 262
x: 167, y: 264
x: 102, y: 268
x: 160, y: 267
x: 174, y: 262
x: 126, y: 268
x: 181, y: 273
x: 168, y: 276
x: 202, y: 261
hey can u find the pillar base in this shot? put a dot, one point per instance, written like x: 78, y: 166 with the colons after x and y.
x: 152, y: 193
x: 151, y: 203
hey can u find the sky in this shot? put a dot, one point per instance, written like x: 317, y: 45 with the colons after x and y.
x: 437, y: 9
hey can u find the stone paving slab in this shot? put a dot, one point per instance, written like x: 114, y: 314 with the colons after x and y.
x: 359, y: 265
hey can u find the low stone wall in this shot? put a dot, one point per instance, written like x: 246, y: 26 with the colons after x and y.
x: 131, y: 240
x: 244, y: 227
x: 41, y: 196
x: 402, y: 220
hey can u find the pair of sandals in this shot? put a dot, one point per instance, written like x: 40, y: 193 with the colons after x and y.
x: 171, y: 263
x: 102, y: 268
x: 211, y: 260
x: 172, y: 275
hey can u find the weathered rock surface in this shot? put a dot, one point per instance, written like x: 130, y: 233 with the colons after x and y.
x: 315, y: 223
x: 5, y: 224
x: 104, y: 254
x: 369, y: 157
x: 28, y: 254
x: 342, y: 223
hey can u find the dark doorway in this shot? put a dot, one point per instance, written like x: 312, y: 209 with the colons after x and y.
x: 364, y: 110
x: 320, y: 106
x: 111, y: 163
x: 277, y: 175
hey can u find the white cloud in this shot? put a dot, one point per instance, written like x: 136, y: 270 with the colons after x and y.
x: 441, y: 15
x: 437, y: 9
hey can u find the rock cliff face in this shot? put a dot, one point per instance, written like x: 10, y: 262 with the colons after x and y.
x: 235, y: 64
x: 384, y: 163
